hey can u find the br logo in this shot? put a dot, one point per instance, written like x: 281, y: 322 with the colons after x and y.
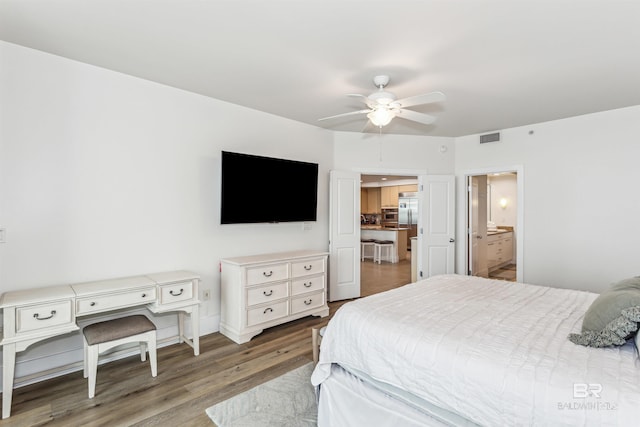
x: 584, y: 390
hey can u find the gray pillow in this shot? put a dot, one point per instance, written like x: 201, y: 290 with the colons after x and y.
x: 613, y: 317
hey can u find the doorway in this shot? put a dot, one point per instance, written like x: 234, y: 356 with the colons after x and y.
x: 380, y: 200
x: 494, y: 224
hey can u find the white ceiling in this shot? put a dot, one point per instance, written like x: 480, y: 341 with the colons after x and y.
x: 500, y: 63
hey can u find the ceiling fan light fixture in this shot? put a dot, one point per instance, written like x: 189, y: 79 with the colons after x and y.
x: 381, y: 116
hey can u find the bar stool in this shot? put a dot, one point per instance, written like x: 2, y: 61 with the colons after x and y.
x: 384, y: 245
x: 102, y: 336
x: 364, y: 245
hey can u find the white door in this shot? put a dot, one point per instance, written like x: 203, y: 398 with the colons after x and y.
x: 344, y: 229
x: 437, y: 225
x: 477, y: 229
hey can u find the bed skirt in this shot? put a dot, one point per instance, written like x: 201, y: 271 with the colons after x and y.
x: 349, y: 401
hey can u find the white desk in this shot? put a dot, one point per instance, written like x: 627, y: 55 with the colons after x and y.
x: 33, y: 315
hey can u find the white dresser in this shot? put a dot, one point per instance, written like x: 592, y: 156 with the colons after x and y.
x: 261, y: 291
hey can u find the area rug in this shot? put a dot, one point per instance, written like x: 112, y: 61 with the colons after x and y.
x: 288, y: 400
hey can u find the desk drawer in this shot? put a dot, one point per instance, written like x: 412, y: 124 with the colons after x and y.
x: 41, y: 316
x: 263, y: 314
x: 309, y: 284
x: 267, y: 273
x: 267, y: 293
x: 305, y: 268
x: 176, y: 292
x: 307, y: 302
x: 99, y: 303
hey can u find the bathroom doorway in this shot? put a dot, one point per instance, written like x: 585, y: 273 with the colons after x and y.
x: 494, y: 219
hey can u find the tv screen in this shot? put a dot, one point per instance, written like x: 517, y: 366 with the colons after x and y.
x: 265, y: 189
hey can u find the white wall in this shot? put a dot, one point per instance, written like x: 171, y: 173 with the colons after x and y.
x: 581, y: 207
x: 370, y: 153
x: 105, y: 175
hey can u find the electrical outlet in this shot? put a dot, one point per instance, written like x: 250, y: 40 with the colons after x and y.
x: 206, y: 295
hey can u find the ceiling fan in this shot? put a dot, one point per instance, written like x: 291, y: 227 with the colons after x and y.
x: 384, y: 106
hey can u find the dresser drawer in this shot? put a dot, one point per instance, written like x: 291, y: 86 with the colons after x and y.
x: 263, y: 314
x: 41, y: 316
x: 307, y: 302
x: 104, y: 302
x: 267, y: 273
x: 267, y: 293
x: 308, y: 284
x: 176, y: 292
x: 305, y: 268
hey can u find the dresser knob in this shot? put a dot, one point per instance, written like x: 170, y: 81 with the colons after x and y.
x: 307, y: 285
x: 175, y: 295
x: 308, y: 302
x: 267, y: 310
x: 268, y: 294
x: 92, y: 304
x: 308, y: 267
x: 267, y: 274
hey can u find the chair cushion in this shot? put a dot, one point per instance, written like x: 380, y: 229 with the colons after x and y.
x: 111, y: 330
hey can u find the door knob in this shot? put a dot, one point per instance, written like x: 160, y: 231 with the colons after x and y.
x: 478, y: 237
x: 452, y: 240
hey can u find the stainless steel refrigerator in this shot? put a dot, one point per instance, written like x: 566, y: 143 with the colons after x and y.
x: 408, y: 214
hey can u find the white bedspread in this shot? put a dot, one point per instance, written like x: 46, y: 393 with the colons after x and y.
x: 493, y: 352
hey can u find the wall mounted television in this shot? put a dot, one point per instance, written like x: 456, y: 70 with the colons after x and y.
x: 257, y: 189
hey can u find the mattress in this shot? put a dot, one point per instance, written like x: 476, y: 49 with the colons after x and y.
x: 492, y: 352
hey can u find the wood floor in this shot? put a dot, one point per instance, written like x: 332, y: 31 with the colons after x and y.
x: 127, y: 395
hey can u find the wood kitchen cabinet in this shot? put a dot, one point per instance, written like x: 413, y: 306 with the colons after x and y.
x: 370, y: 200
x: 389, y: 196
x: 410, y: 188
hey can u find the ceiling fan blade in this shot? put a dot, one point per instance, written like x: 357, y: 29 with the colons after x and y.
x: 426, y: 98
x: 346, y: 114
x: 414, y: 116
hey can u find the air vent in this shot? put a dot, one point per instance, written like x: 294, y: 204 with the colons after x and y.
x: 490, y: 137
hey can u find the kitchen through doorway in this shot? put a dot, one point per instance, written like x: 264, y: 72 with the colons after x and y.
x: 388, y: 212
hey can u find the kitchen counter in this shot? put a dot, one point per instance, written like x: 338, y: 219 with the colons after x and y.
x: 382, y: 233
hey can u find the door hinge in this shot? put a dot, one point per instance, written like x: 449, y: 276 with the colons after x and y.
x: 420, y: 273
x: 421, y: 230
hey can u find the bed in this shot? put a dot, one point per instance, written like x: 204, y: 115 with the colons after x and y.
x: 461, y: 350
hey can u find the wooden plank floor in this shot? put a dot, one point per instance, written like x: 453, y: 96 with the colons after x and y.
x: 127, y: 395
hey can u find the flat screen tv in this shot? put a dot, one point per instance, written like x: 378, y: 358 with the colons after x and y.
x: 257, y: 189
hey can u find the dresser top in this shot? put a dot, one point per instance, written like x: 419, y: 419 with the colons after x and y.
x: 273, y: 257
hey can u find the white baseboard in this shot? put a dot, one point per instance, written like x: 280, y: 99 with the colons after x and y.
x: 63, y: 355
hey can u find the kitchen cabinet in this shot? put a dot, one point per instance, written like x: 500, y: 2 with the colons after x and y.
x: 389, y: 196
x: 499, y: 249
x: 411, y: 188
x: 370, y: 200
